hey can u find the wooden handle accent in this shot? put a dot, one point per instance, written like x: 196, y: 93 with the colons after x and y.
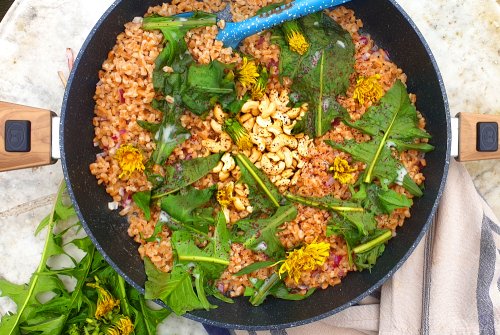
x: 25, y: 136
x: 477, y: 135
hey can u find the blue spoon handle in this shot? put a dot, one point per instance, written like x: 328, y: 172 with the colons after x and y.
x: 233, y: 33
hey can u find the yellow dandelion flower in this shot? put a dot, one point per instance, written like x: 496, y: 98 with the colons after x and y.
x: 225, y: 195
x: 248, y: 73
x: 129, y: 159
x: 295, y: 37
x: 298, y: 43
x: 306, y: 258
x: 368, y: 89
x: 342, y: 171
x: 105, y: 301
x: 238, y: 134
x: 122, y: 326
x: 258, y: 90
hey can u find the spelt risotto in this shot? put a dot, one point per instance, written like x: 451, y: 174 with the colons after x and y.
x: 270, y: 183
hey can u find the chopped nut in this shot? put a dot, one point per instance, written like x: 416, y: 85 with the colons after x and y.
x: 303, y: 146
x: 283, y: 118
x: 167, y: 69
x: 287, y: 157
x: 283, y: 140
x: 259, y: 141
x: 217, y: 127
x: 241, y: 190
x: 249, y: 106
x: 219, y: 115
x: 263, y: 122
x: 271, y: 168
x: 267, y: 109
x: 256, y: 154
x: 295, y: 178
x: 293, y: 113
x: 224, y: 144
x: 287, y: 129
x: 276, y: 128
x: 218, y: 167
x: 245, y: 117
x: 287, y: 173
x: 223, y: 175
x: 238, y: 204
x: 283, y: 182
x: 260, y: 131
x: 228, y: 162
x: 249, y: 123
x: 169, y: 99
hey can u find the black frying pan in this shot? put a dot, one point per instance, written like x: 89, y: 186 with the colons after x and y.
x: 392, y: 29
x: 389, y: 26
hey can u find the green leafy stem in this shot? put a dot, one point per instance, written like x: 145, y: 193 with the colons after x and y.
x: 369, y: 172
x: 319, y: 111
x: 373, y: 243
x: 41, y: 266
x: 263, y: 291
x: 150, y: 23
x: 312, y: 203
x: 245, y: 162
x: 203, y: 259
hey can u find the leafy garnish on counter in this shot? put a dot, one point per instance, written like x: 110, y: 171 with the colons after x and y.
x: 320, y: 74
x: 73, y: 311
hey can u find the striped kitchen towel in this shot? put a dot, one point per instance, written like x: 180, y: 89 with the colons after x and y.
x: 449, y: 285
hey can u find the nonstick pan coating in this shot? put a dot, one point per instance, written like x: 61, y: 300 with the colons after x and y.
x: 393, y: 31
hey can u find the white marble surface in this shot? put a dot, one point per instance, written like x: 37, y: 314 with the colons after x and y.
x: 34, y: 35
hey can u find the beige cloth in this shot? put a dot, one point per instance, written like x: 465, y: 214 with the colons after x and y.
x: 449, y: 285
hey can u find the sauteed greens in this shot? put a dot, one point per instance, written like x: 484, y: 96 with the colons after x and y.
x: 196, y: 87
x: 278, y: 117
x: 393, y: 123
x: 321, y: 74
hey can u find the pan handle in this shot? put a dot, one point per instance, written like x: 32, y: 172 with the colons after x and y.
x: 478, y: 136
x: 26, y: 136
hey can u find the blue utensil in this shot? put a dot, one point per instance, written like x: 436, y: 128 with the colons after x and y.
x: 234, y: 32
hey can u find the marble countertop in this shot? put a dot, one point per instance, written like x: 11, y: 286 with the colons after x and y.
x: 34, y: 35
